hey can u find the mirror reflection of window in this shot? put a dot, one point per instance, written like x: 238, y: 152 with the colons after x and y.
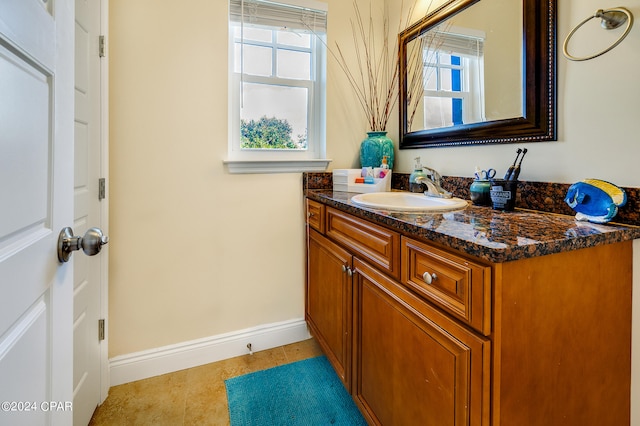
x: 453, y: 79
x: 517, y: 69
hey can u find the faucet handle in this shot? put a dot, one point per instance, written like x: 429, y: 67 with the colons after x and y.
x: 435, y: 176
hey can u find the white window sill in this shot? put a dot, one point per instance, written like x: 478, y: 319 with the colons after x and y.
x: 276, y: 166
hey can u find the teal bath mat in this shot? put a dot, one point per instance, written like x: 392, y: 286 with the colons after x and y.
x: 301, y: 393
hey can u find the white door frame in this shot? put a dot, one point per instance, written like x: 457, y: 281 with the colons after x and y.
x: 104, y: 259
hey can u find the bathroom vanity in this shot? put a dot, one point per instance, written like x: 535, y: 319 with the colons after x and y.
x: 472, y: 317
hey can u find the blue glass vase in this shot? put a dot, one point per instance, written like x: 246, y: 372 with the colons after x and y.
x: 376, y: 146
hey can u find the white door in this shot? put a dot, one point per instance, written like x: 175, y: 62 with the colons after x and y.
x: 89, y: 356
x: 36, y: 202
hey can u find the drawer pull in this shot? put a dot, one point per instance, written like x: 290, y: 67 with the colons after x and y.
x: 429, y: 278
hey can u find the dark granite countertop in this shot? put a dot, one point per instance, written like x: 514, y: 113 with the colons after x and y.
x: 488, y: 234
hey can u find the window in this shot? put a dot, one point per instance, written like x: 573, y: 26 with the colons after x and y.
x: 454, y: 82
x: 277, y: 86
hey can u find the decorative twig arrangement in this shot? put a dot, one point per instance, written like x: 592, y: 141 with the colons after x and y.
x: 375, y: 75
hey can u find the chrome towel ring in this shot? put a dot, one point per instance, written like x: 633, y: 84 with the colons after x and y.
x: 611, y: 18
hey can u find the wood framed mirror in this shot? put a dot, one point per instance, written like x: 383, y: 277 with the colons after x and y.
x: 479, y: 72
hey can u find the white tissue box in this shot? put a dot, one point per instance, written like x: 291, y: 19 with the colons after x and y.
x: 345, y: 180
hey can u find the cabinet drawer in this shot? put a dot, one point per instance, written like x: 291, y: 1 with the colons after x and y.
x: 457, y: 285
x: 373, y: 243
x: 315, y: 215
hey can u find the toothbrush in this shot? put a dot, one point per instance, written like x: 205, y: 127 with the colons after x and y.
x: 510, y: 169
x: 516, y: 171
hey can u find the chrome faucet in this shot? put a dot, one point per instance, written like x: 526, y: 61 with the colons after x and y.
x: 432, y: 182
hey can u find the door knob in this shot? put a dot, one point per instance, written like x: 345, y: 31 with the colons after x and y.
x: 91, y: 243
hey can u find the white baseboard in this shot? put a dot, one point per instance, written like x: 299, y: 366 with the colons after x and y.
x: 154, y: 362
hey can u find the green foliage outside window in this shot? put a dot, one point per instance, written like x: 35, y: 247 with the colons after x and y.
x: 269, y: 133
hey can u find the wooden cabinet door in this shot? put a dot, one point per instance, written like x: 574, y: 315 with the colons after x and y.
x: 329, y: 300
x: 412, y: 364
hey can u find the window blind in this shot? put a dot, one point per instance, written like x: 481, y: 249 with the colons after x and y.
x: 261, y: 12
x: 460, y: 44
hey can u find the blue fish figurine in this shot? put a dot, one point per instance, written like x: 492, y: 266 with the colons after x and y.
x: 595, y: 200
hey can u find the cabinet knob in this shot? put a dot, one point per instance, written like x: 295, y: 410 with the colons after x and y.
x: 429, y: 278
x: 348, y: 270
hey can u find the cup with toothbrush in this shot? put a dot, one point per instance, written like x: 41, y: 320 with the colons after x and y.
x: 504, y: 191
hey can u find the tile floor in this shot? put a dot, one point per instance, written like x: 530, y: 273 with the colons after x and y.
x: 196, y: 396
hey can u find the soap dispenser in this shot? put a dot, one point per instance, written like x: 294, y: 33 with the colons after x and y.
x: 417, y: 172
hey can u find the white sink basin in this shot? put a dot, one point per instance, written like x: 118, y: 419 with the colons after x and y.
x: 407, y: 201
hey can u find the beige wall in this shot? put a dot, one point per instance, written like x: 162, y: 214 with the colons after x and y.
x: 196, y: 252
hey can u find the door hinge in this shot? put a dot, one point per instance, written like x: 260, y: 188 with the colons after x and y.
x: 102, y: 189
x: 100, y: 329
x: 101, y: 46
